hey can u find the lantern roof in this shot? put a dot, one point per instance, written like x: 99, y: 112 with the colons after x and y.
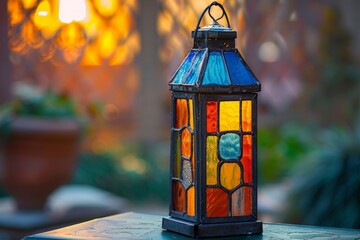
x: 214, y: 64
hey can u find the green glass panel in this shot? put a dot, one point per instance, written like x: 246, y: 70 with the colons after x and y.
x: 177, y: 154
x: 230, y: 146
x: 211, y: 160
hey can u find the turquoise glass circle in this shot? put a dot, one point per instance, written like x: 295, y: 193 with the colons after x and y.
x: 229, y: 146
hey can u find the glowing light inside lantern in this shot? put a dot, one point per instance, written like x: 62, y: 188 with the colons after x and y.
x: 72, y: 10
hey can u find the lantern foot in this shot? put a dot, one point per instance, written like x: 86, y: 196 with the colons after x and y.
x: 211, y: 229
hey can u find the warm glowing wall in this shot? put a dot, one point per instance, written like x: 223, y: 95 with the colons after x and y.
x: 82, y: 31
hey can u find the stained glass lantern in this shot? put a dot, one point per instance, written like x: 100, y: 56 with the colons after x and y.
x: 213, y: 175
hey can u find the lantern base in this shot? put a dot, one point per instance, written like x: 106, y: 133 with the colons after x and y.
x: 211, y: 229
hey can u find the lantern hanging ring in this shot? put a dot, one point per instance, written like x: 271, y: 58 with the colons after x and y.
x: 208, y: 9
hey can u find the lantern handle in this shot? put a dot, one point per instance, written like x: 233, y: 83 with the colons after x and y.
x: 208, y: 9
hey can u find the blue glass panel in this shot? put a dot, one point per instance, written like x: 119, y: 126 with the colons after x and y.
x: 215, y: 73
x: 230, y: 146
x: 183, y: 69
x: 239, y: 74
x: 195, y: 69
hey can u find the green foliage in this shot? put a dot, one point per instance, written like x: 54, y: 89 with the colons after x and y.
x: 137, y: 173
x: 280, y: 149
x: 49, y: 104
x: 30, y: 101
x: 327, y: 183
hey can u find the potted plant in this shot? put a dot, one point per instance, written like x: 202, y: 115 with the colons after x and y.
x: 39, y: 142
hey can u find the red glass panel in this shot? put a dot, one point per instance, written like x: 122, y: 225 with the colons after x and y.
x: 217, y: 203
x: 181, y: 118
x: 246, y: 158
x: 211, y: 116
x: 178, y: 197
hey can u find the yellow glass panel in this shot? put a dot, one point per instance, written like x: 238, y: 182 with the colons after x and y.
x: 230, y: 175
x: 229, y: 116
x: 246, y: 112
x: 191, y: 110
x: 211, y: 160
x: 191, y: 201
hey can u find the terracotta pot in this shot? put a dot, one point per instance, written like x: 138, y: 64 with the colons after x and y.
x: 38, y: 155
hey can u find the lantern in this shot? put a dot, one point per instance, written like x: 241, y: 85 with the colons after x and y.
x: 213, y: 169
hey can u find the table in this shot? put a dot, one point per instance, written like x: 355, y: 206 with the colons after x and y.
x: 68, y: 205
x: 140, y: 226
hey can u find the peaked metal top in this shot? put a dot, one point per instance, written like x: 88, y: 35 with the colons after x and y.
x: 211, y: 70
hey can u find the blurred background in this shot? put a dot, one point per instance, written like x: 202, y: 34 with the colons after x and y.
x: 109, y: 61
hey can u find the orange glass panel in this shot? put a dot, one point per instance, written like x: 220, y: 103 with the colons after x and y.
x: 217, y: 204
x: 211, y: 116
x: 241, y: 204
x: 246, y: 112
x: 230, y: 175
x: 186, y: 143
x: 181, y: 118
x: 211, y: 160
x: 177, y: 156
x: 191, y: 201
x: 191, y: 112
x: 229, y: 116
x: 178, y: 197
x: 246, y: 158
